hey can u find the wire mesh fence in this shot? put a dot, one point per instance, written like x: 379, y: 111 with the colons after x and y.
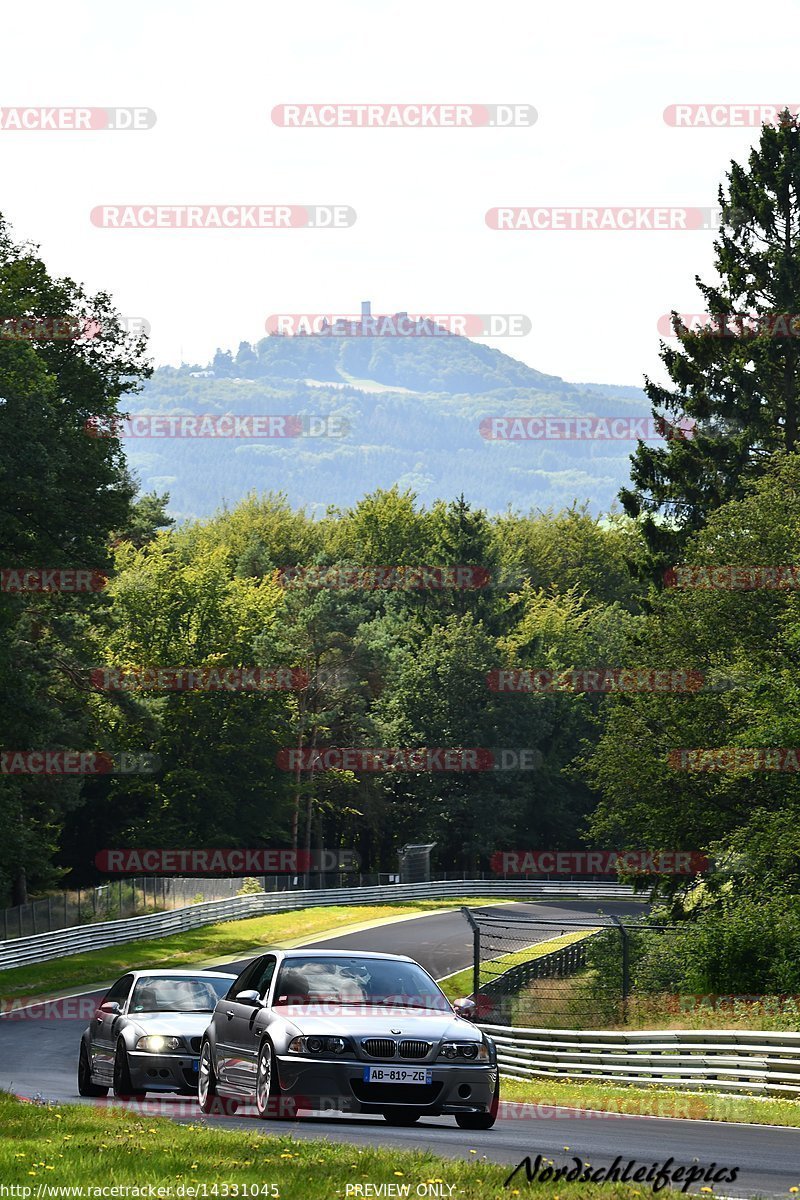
x: 584, y: 973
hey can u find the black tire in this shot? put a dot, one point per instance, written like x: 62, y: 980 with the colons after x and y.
x: 122, y: 1086
x: 271, y: 1103
x: 484, y: 1120
x: 401, y: 1116
x: 85, y: 1085
x: 207, y: 1081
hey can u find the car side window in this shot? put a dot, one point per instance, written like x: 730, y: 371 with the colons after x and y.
x: 119, y: 991
x: 248, y: 979
x: 265, y: 976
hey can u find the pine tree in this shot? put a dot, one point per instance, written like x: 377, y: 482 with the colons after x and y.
x: 738, y: 377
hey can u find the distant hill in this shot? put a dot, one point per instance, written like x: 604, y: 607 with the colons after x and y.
x: 414, y: 407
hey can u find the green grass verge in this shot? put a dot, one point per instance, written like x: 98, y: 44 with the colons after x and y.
x: 209, y: 941
x: 460, y: 984
x: 653, y: 1101
x: 84, y: 1146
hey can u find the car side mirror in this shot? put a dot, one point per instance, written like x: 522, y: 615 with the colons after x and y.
x: 111, y: 1006
x: 466, y: 1008
x: 251, y: 998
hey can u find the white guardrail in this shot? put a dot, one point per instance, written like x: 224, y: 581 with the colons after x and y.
x: 18, y: 952
x: 717, y: 1060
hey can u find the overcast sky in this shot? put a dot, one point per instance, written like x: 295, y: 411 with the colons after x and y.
x: 599, y: 76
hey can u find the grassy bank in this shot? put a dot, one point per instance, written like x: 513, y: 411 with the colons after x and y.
x: 649, y: 1102
x: 198, y: 945
x: 74, y: 1146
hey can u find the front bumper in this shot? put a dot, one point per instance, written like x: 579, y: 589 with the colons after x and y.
x: 163, y: 1072
x: 339, y: 1084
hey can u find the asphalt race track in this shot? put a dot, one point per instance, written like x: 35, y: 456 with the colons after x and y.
x: 39, y: 1056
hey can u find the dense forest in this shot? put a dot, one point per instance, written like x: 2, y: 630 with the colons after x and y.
x: 401, y: 665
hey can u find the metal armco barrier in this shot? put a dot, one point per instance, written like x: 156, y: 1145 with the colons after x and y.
x: 18, y: 952
x: 717, y: 1060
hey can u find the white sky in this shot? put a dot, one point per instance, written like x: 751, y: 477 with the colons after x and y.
x: 600, y: 77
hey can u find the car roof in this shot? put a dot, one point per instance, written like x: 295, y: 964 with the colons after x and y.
x: 299, y: 952
x: 186, y: 973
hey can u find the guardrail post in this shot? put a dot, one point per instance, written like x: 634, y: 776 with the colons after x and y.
x: 476, y: 952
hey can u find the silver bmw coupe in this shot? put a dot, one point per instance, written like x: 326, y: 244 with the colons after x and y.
x: 366, y: 1033
x: 145, y: 1035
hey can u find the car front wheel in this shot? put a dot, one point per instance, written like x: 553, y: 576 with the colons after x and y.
x: 122, y: 1074
x: 206, y: 1080
x: 484, y: 1120
x: 85, y: 1085
x: 271, y: 1103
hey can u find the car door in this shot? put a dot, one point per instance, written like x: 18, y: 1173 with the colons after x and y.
x: 243, y: 1035
x: 104, y: 1027
x: 223, y: 1020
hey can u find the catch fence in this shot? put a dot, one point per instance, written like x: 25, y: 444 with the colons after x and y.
x: 590, y: 971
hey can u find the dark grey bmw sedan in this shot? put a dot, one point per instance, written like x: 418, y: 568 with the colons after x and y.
x: 366, y: 1033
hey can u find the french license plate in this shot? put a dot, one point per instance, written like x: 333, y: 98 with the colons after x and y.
x: 397, y: 1075
x: 195, y: 1064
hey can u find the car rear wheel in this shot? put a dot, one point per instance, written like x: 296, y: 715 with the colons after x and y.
x: 85, y: 1085
x: 401, y: 1116
x: 122, y: 1074
x: 484, y: 1120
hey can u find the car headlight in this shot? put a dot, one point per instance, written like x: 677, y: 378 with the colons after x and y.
x: 317, y: 1045
x: 154, y: 1043
x: 471, y: 1051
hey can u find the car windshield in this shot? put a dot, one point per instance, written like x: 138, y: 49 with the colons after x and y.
x: 168, y: 993
x: 352, y: 981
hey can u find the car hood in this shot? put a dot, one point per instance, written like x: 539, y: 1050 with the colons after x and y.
x: 363, y: 1021
x: 172, y: 1024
